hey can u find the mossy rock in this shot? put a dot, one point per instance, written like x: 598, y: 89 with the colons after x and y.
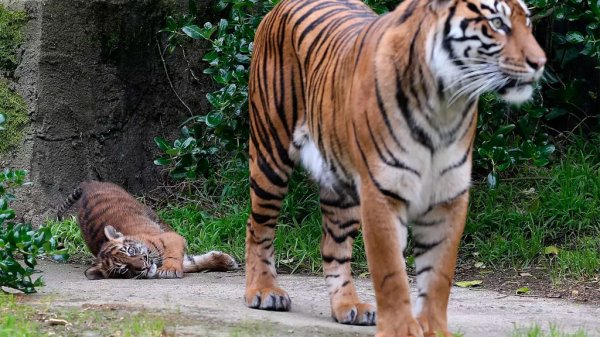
x: 11, y: 23
x: 14, y: 109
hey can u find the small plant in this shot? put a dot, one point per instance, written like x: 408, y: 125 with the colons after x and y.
x: 19, y: 241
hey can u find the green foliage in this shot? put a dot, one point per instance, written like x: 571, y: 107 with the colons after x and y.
x: 224, y: 130
x: 540, y: 207
x: 19, y: 240
x: 10, y: 37
x: 15, y: 111
x: 509, y: 137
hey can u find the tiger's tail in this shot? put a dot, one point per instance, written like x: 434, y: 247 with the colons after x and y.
x: 214, y: 261
x: 71, y: 200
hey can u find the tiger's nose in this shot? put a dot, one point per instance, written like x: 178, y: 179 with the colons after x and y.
x: 536, y: 63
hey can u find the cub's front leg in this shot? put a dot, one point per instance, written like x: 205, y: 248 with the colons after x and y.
x: 173, y: 249
x: 384, y: 218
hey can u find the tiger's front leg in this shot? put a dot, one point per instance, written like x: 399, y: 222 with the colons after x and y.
x: 384, y: 219
x: 341, y: 223
x: 437, y: 235
x: 172, y: 257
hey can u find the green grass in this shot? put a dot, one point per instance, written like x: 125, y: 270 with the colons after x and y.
x: 560, y: 206
x: 70, y: 236
x: 13, y: 107
x: 10, y: 37
x: 536, y: 331
x: 25, y: 320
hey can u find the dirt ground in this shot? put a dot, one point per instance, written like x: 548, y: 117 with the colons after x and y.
x: 210, y: 304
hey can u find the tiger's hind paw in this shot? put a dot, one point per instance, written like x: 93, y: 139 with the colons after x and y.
x: 222, y: 261
x: 355, y: 314
x: 275, y: 299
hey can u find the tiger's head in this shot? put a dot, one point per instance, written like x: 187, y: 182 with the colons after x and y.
x: 123, y: 257
x: 488, y: 45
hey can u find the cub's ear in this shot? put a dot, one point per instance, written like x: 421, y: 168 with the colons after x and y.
x: 111, y: 233
x: 95, y: 273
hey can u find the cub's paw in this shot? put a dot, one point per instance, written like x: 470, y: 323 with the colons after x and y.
x: 268, y: 299
x: 355, y: 313
x: 168, y: 272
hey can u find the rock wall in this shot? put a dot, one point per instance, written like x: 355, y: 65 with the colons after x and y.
x: 93, y: 78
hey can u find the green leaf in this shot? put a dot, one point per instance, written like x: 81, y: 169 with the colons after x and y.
x: 192, y: 31
x: 161, y: 143
x: 214, y: 119
x: 506, y: 129
x: 492, y: 180
x: 575, y: 37
x: 162, y: 161
x: 468, y: 284
x: 522, y: 291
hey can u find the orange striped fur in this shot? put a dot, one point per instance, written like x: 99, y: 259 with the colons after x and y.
x: 382, y: 111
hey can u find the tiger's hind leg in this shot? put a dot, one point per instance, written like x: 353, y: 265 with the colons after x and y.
x: 436, y: 235
x: 268, y: 186
x: 341, y: 214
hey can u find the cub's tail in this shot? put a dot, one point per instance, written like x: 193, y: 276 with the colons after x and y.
x: 71, y: 200
x: 214, y: 261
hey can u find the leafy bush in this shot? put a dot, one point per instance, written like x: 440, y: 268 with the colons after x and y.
x: 508, y: 138
x: 19, y: 240
x: 225, y: 129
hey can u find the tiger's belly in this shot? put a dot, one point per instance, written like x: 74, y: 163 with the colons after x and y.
x: 432, y: 180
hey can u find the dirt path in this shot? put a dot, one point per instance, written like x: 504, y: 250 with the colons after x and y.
x: 210, y: 305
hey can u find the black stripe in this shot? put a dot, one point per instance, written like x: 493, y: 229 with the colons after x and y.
x: 422, y: 248
x: 458, y: 164
x: 329, y: 259
x: 424, y: 270
x: 261, y: 193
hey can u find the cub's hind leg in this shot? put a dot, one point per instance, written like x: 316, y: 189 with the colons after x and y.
x: 341, y: 214
x: 268, y: 186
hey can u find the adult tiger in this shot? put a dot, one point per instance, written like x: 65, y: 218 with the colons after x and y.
x: 382, y: 111
x: 129, y: 240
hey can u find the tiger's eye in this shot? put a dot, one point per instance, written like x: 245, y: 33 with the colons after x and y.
x: 497, y: 23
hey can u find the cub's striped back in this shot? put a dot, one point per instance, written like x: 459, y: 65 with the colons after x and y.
x: 129, y: 240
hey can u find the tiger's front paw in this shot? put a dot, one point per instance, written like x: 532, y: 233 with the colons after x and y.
x: 355, y: 313
x: 273, y: 298
x: 400, y: 328
x: 169, y: 272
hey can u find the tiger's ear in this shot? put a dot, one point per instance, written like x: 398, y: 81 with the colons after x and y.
x: 111, y: 233
x: 95, y: 272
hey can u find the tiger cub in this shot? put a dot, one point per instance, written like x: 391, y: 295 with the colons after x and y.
x: 129, y: 240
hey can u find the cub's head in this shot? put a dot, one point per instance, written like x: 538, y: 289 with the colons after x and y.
x: 123, y: 257
x: 490, y: 46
